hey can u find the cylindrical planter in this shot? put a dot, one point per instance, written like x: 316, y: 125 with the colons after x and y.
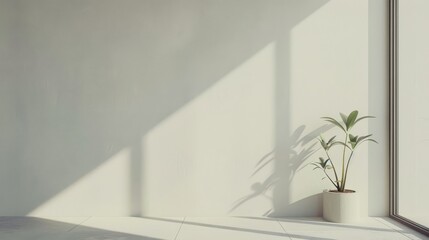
x: 341, y: 207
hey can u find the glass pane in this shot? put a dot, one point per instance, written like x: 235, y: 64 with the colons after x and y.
x: 413, y: 110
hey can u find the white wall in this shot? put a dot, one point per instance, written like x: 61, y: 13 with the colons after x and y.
x: 378, y: 105
x: 181, y: 107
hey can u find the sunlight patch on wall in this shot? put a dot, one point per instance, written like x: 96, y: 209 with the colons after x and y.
x: 203, y: 155
x: 101, y: 192
x: 328, y: 75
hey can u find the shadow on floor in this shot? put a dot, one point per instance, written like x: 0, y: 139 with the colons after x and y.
x: 32, y: 228
x: 26, y: 228
x: 304, y: 221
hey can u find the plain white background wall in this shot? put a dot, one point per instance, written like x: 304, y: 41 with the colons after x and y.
x: 378, y: 105
x: 184, y: 107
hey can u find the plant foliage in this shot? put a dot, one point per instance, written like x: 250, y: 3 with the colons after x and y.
x: 349, y: 145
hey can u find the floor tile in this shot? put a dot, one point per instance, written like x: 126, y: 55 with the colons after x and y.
x: 319, y: 224
x: 74, y: 221
x: 317, y: 228
x: 127, y: 228
x: 346, y: 235
x: 410, y: 233
x: 22, y: 228
x: 230, y: 228
x: 201, y: 228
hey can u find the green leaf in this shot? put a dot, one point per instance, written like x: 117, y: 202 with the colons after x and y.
x: 335, y: 122
x: 344, y: 117
x: 353, y: 138
x: 371, y: 140
x: 351, y: 119
x: 316, y: 165
x: 361, y: 118
x: 331, y: 139
x: 368, y: 140
x: 323, y: 143
x: 363, y: 137
x: 326, y: 162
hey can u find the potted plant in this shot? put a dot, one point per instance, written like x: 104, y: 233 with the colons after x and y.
x: 341, y: 204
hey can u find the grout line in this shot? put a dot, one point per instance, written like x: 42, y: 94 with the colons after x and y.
x: 180, y: 228
x: 283, y: 229
x: 393, y: 228
x: 77, y: 225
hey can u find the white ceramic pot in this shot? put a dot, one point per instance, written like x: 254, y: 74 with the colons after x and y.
x: 341, y: 207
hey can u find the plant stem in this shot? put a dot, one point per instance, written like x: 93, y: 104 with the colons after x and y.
x: 335, y: 172
x: 344, y: 159
x: 347, y: 168
x: 329, y: 177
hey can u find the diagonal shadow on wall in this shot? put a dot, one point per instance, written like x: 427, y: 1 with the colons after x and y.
x: 91, y: 78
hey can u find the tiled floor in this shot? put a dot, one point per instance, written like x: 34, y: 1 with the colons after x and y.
x: 201, y: 228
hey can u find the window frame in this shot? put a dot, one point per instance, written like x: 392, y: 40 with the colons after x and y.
x: 393, y: 120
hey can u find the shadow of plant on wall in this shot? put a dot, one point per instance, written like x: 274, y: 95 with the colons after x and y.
x: 301, y: 147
